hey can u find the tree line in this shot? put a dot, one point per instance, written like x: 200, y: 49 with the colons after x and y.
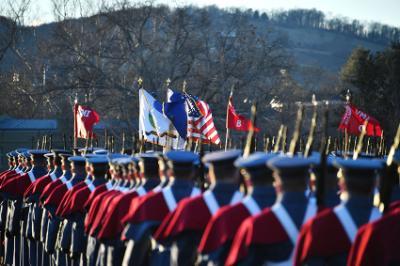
x: 312, y: 18
x: 375, y: 80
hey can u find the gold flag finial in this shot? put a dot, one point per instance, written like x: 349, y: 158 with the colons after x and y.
x: 348, y: 96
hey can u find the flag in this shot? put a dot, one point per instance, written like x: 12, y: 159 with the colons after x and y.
x: 200, y: 123
x: 353, y: 120
x: 152, y: 123
x: 85, y: 119
x: 175, y: 110
x: 154, y: 126
x: 236, y: 121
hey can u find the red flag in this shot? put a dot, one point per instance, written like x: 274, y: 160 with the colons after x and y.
x: 353, y: 120
x: 236, y: 121
x: 85, y: 118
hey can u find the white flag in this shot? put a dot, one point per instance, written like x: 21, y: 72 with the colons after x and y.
x: 154, y: 125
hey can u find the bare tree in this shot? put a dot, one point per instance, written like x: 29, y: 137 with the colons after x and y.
x: 12, y: 14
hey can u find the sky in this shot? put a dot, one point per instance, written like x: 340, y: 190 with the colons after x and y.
x: 383, y: 11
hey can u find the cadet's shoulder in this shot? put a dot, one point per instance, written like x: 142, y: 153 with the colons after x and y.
x: 190, y: 202
x: 386, y: 224
x: 325, y: 216
x: 265, y: 216
x: 150, y: 198
x: 321, y: 223
x: 228, y: 212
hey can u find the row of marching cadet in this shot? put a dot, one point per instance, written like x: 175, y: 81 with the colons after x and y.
x: 94, y: 207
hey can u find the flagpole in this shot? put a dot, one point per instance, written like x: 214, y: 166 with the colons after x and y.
x: 184, y: 87
x: 75, y: 121
x: 227, y: 117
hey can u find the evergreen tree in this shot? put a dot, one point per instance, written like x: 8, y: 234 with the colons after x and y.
x: 375, y: 79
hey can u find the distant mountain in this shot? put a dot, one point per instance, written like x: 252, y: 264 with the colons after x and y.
x: 327, y: 49
x: 311, y: 39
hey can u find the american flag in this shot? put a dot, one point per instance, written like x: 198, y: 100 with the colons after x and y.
x: 200, y: 121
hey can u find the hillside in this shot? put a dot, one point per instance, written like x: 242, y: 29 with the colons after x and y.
x: 287, y: 55
x: 328, y: 50
x: 310, y: 46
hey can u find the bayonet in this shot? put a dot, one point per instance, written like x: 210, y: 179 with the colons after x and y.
x: 297, y: 130
x: 250, y: 143
x: 389, y: 176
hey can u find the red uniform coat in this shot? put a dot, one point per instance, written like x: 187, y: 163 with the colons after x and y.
x: 18, y: 184
x: 76, y: 201
x: 104, y: 203
x: 38, y: 185
x: 190, y: 214
x: 65, y: 201
x: 224, y: 224
x: 6, y: 173
x: 377, y: 243
x: 154, y: 206
x: 8, y: 176
x: 139, y: 210
x: 95, y: 207
x: 112, y: 225
x: 263, y: 228
x: 56, y: 195
x: 49, y: 188
x: 312, y: 241
x: 98, y: 190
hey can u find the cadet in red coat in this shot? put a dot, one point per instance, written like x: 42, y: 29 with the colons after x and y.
x: 101, y: 200
x: 18, y: 184
x: 50, y: 204
x: 218, y: 235
x: 55, y: 171
x: 98, y: 169
x: 270, y: 237
x: 11, y: 242
x: 182, y: 230
x: 56, y: 180
x: 16, y: 188
x: 17, y: 168
x: 31, y: 197
x: 10, y: 160
x: 328, y: 237
x: 377, y: 243
x: 13, y: 166
x: 63, y: 240
x: 121, y: 184
x: 147, y: 213
x: 94, y: 201
x: 112, y: 248
x: 97, y: 208
x: 50, y: 168
x: 32, y: 194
